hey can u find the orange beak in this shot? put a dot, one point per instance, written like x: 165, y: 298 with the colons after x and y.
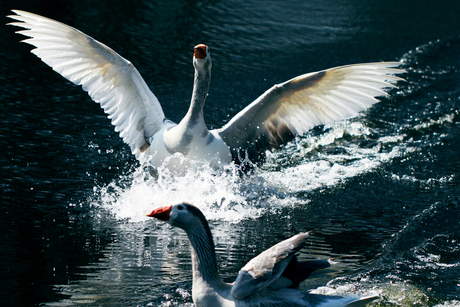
x: 161, y: 213
x: 200, y: 51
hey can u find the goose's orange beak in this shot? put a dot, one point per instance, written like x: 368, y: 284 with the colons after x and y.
x: 200, y: 51
x: 161, y: 213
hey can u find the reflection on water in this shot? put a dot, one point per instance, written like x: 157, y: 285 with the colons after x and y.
x: 149, y: 262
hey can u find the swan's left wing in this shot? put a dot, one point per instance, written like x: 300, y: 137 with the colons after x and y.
x: 267, y: 267
x: 295, y: 106
x: 108, y: 78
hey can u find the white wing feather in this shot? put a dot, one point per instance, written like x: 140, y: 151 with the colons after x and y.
x: 295, y: 106
x: 108, y: 78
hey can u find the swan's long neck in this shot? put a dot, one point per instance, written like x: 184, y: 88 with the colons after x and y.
x: 203, y: 255
x: 200, y: 91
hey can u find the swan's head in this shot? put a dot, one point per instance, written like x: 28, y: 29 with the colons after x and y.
x: 182, y: 215
x: 202, y: 56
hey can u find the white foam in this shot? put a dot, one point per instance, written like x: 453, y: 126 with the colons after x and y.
x: 230, y: 197
x: 453, y: 303
x: 143, y: 193
x: 325, y: 170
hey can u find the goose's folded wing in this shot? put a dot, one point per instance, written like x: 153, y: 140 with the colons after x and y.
x: 267, y: 267
x: 108, y: 78
x: 295, y: 106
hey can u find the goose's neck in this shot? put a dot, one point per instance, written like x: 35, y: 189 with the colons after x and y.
x: 203, y: 255
x: 200, y: 91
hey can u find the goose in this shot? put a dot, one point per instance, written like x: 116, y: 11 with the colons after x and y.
x: 269, y: 279
x: 284, y: 111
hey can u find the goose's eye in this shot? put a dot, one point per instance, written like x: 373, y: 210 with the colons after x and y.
x: 180, y: 207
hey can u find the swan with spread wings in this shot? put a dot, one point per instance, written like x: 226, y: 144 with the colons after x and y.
x: 272, y: 120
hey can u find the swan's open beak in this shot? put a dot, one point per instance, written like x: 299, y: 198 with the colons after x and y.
x: 161, y: 213
x: 200, y: 51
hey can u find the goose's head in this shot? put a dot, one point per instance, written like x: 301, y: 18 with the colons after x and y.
x: 202, y: 56
x: 182, y: 215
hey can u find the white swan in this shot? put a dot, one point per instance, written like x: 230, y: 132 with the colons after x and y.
x: 270, y: 279
x: 284, y: 111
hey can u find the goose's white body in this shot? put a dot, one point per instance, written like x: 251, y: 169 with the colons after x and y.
x: 273, y: 119
x: 270, y: 279
x: 210, y: 148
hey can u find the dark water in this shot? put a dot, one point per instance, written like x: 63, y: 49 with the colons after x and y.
x: 382, y: 190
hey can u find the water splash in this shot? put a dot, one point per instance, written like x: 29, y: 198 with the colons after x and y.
x: 135, y: 194
x: 314, y: 162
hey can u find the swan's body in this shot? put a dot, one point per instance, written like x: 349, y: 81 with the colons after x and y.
x: 273, y: 119
x: 270, y: 279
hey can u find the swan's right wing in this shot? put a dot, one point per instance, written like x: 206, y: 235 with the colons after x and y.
x: 267, y: 267
x: 108, y: 78
x: 295, y: 106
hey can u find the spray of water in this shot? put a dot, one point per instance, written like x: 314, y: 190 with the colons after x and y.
x: 229, y: 196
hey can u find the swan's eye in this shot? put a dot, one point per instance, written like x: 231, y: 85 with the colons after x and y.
x: 180, y: 207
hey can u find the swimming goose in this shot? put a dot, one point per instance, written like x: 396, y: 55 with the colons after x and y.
x: 270, y: 279
x: 275, y: 118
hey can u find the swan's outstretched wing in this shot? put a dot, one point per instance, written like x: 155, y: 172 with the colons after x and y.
x: 295, y: 106
x: 108, y: 78
x: 267, y: 267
